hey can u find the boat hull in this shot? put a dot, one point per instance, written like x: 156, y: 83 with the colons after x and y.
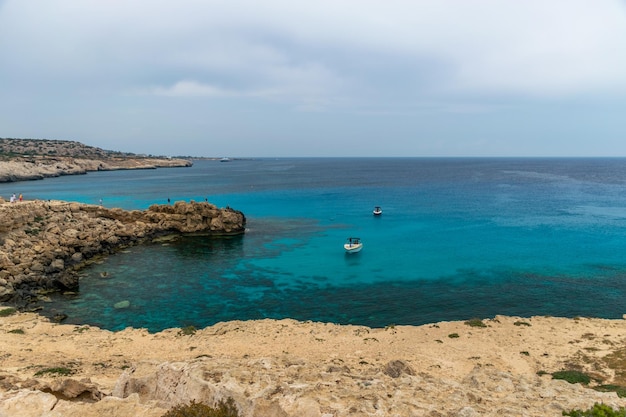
x: 353, y: 248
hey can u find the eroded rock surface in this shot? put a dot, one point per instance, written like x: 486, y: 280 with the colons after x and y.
x: 43, y: 244
x: 287, y: 368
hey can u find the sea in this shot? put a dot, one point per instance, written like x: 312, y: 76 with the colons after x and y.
x: 459, y: 238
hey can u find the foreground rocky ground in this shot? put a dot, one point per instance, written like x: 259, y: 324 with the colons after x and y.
x: 288, y: 368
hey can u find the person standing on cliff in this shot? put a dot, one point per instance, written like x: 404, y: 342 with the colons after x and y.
x: 21, y: 198
x: 13, y: 198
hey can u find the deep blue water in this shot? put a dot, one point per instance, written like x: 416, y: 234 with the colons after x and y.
x: 459, y: 238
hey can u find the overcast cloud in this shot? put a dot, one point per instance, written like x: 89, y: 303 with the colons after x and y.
x: 322, y: 78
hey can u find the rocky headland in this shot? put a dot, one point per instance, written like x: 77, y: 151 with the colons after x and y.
x: 43, y: 244
x: 35, y: 159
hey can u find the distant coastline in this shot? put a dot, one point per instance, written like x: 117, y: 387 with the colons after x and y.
x: 36, y: 159
x: 40, y: 168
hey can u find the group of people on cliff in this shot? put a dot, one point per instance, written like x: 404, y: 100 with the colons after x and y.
x: 14, y: 198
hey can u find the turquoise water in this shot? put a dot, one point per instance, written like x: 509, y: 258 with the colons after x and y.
x: 459, y: 238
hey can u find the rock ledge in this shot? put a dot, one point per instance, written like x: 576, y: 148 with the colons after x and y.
x: 44, y: 243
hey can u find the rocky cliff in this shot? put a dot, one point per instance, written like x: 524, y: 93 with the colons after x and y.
x: 37, y: 168
x: 44, y: 243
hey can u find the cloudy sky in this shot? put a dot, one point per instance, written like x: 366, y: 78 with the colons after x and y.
x: 318, y: 78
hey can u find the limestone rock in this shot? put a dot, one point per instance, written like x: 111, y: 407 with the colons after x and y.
x: 6, y: 293
x: 72, y: 389
x: 397, y: 367
x: 45, y: 243
x: 38, y: 167
x: 259, y: 390
x: 26, y: 403
x: 276, y: 369
x: 57, y: 265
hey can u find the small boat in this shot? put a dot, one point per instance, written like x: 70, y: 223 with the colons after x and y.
x: 225, y: 160
x: 377, y: 211
x: 354, y: 245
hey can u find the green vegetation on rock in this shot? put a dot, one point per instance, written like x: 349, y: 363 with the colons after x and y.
x: 187, y: 331
x: 573, y: 377
x: 475, y: 323
x: 12, y: 148
x: 56, y: 371
x: 598, y: 410
x: 16, y: 331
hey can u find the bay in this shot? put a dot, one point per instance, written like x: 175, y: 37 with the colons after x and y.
x: 458, y: 238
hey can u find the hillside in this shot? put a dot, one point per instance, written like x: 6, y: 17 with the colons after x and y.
x: 16, y: 148
x: 34, y: 159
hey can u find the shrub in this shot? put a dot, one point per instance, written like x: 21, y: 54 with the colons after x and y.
x: 475, y: 323
x: 573, y: 377
x: 222, y: 409
x: 187, y: 331
x: 521, y: 323
x: 619, y: 390
x: 598, y: 410
x: 7, y: 312
x: 453, y: 335
x: 16, y: 331
x: 58, y: 371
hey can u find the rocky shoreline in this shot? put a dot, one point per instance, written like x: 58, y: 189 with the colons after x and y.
x: 43, y: 244
x: 35, y: 159
x: 40, y: 167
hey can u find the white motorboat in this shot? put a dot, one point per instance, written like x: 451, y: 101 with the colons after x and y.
x: 377, y: 211
x: 354, y: 245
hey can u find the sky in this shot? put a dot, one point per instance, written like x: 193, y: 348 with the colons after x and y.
x: 281, y: 78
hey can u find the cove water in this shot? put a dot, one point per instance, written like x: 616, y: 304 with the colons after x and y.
x: 458, y: 238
